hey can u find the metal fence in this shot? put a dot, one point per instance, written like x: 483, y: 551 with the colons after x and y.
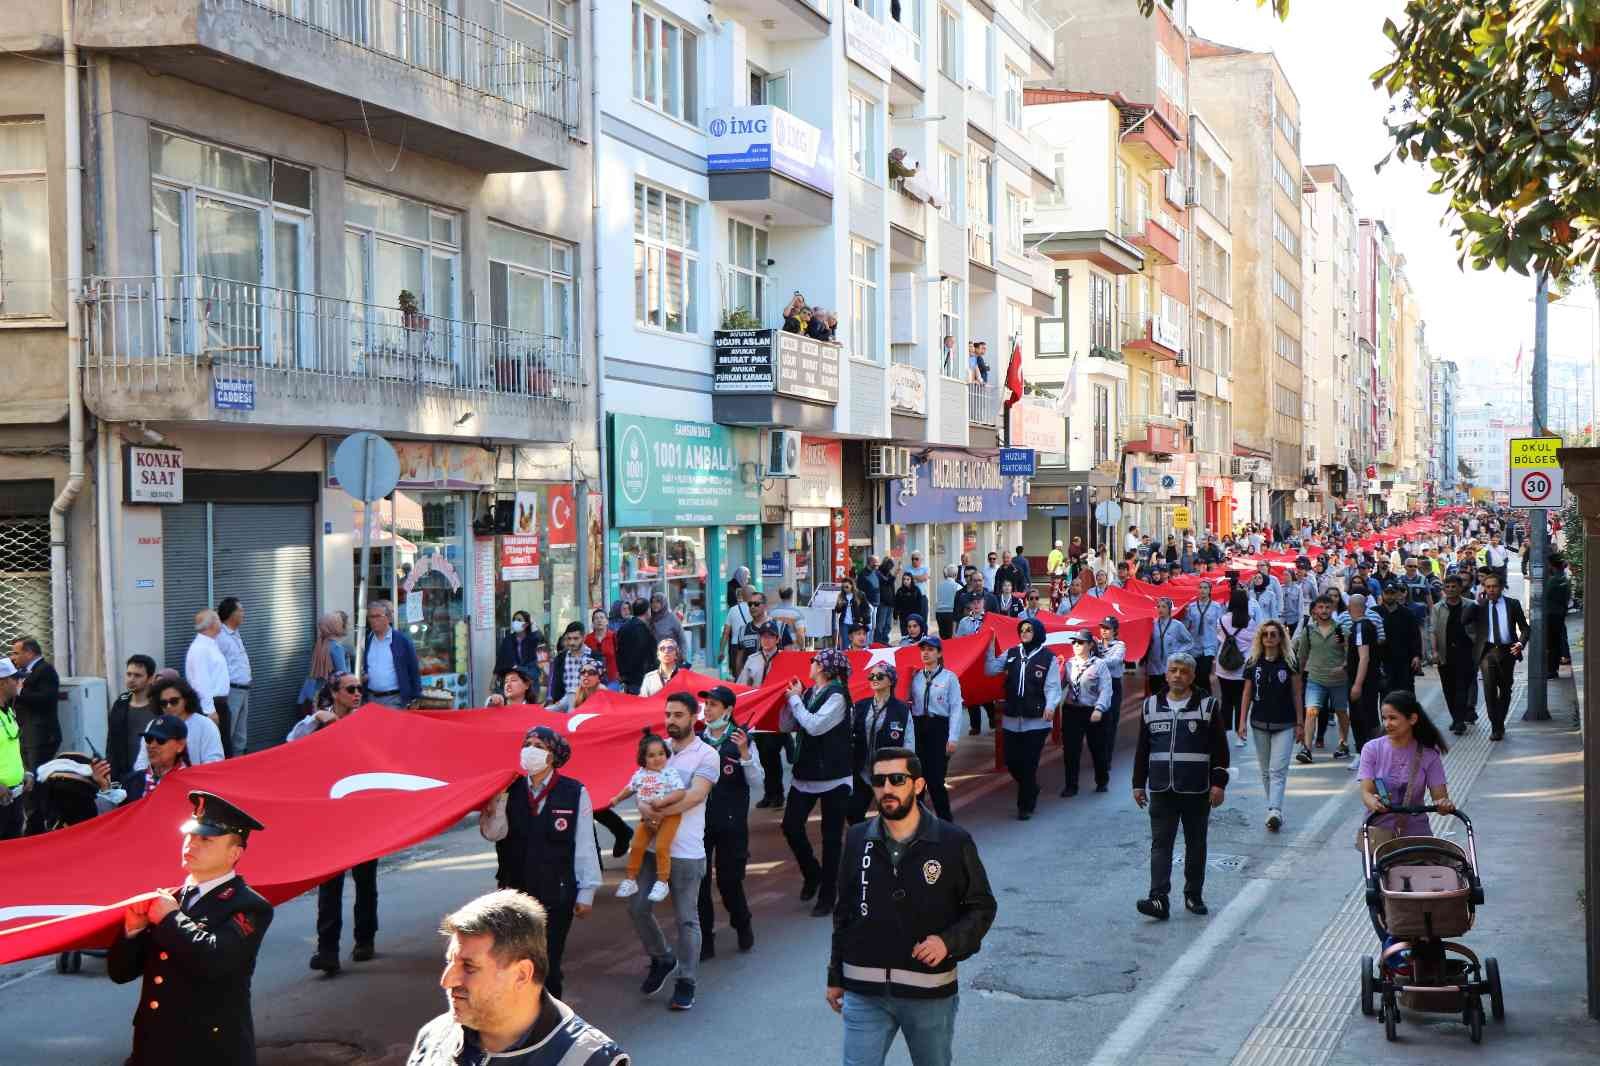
x: 151, y: 331
x: 25, y: 580
x: 435, y: 40
x: 983, y: 404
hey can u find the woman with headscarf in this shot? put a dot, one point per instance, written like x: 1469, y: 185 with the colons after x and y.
x: 669, y: 662
x: 882, y: 720
x: 909, y: 602
x: 1033, y: 689
x: 520, y: 645
x: 913, y: 628
x: 541, y: 827
x: 738, y: 586
x: 329, y: 658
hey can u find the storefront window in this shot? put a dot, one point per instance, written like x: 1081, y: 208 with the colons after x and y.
x: 671, y: 562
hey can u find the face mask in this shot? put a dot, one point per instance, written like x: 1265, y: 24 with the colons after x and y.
x: 534, y: 760
x: 517, y: 625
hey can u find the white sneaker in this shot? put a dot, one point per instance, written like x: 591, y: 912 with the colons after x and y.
x: 1274, y: 819
x: 629, y: 887
x: 1240, y: 743
x: 658, y: 892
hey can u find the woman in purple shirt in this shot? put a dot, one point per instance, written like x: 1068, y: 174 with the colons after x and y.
x: 1409, y: 735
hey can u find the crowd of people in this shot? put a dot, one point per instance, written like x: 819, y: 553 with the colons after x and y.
x: 815, y: 322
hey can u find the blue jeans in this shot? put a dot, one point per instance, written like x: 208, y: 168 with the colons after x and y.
x: 870, y: 1024
x: 1273, y: 751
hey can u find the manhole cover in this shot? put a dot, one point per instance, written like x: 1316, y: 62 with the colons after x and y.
x: 1227, y: 863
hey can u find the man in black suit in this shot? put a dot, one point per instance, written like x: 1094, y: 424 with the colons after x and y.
x: 37, y: 716
x: 636, y: 648
x: 195, y: 948
x: 1499, y: 631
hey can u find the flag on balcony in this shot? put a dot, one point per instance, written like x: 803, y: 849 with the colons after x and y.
x: 1069, y: 390
x: 1014, y: 384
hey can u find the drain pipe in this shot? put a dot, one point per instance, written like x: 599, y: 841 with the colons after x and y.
x: 59, y: 599
x: 581, y: 504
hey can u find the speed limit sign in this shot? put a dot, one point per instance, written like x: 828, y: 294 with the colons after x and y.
x: 1535, y: 472
x: 1535, y: 488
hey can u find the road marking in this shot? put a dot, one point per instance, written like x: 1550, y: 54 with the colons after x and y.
x: 21, y: 977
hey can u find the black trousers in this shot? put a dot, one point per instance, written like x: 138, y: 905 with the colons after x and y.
x: 1364, y: 724
x: 727, y: 852
x: 1022, y: 751
x: 1459, y: 679
x: 1555, y: 643
x: 1232, y: 692
x: 1106, y: 731
x: 947, y: 624
x: 330, y: 907
x: 771, y: 749
x: 1076, y: 728
x: 1202, y: 672
x: 614, y: 824
x: 835, y: 805
x: 933, y: 733
x: 1167, y: 810
x: 1497, y: 666
x: 11, y: 820
x: 40, y: 742
x: 224, y: 724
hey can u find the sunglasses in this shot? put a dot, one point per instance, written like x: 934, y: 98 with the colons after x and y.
x: 350, y: 688
x: 877, y: 677
x: 174, y: 702
x: 157, y: 741
x: 897, y: 780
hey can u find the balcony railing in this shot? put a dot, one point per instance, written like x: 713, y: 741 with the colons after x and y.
x: 1145, y: 331
x: 426, y: 36
x: 154, y: 332
x: 983, y: 404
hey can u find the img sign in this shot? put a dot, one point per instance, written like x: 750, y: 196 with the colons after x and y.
x: 954, y: 486
x: 667, y: 472
x: 763, y: 137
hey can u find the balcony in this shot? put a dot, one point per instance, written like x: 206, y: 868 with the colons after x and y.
x: 404, y: 71
x: 766, y: 377
x: 1159, y: 244
x: 1104, y: 248
x: 1152, y: 144
x: 764, y: 159
x: 1157, y: 434
x: 1143, y: 331
x: 983, y: 404
x: 191, y: 348
x: 782, y: 20
x: 908, y: 226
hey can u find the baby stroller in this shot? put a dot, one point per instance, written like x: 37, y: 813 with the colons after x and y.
x: 1421, y: 891
x: 67, y: 798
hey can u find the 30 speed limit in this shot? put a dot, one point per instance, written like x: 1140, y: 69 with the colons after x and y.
x: 1535, y: 471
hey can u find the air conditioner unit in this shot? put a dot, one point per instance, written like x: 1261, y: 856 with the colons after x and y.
x: 783, y: 453
x: 886, y: 461
x: 82, y: 708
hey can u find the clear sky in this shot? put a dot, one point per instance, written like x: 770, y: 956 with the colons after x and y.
x: 1329, y: 49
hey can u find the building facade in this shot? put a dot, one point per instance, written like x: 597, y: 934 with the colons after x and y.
x: 1443, y: 469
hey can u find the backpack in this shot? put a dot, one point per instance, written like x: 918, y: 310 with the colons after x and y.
x: 1229, y: 657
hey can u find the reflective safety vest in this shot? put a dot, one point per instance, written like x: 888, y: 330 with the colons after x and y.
x: 10, y: 749
x: 1180, y: 744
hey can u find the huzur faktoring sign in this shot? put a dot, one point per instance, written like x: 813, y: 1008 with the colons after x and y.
x: 667, y: 472
x: 956, y: 486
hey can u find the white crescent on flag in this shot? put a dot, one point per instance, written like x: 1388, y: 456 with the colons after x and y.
x: 45, y: 910
x: 370, y: 782
x: 578, y: 719
x: 560, y: 512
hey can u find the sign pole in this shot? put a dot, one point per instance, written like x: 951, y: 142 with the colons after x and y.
x: 1538, y: 528
x: 366, y: 563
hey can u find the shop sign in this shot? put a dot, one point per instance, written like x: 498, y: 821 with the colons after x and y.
x: 237, y: 395
x: 563, y: 516
x: 152, y: 475
x: 1038, y: 426
x: 770, y: 360
x: 839, y: 544
x: 820, y: 480
x: 483, y: 605
x: 762, y: 137
x: 426, y: 465
x: 946, y: 485
x: 519, y: 557
x: 1180, y: 518
x: 908, y: 389
x: 772, y: 564
x: 866, y: 41
x: 667, y: 472
x: 1017, y: 462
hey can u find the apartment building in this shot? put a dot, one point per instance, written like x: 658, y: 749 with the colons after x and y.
x: 294, y: 220
x: 1248, y: 100
x: 1443, y: 471
x: 1211, y: 366
x: 1333, y: 444
x: 1411, y: 395
x: 1483, y: 435
x: 867, y: 158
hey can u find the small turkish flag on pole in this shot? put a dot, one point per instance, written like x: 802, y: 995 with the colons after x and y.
x: 1014, y: 373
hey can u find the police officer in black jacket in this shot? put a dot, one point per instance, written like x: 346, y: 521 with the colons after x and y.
x: 195, y: 947
x: 727, y: 821
x: 879, y: 721
x: 913, y: 901
x: 1401, y: 652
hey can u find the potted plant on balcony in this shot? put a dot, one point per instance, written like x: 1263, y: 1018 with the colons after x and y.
x: 411, y: 316
x: 740, y: 318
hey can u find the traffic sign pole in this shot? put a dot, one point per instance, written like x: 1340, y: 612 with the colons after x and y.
x: 1538, y: 528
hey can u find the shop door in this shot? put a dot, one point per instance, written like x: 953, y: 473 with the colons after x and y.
x: 261, y: 553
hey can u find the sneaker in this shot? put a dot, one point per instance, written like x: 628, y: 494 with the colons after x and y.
x: 1194, y: 904
x: 1304, y: 756
x: 1154, y: 907
x: 682, y: 995
x: 363, y: 952
x: 326, y: 961
x: 1355, y: 764
x: 660, y: 970
x: 1342, y: 752
x: 1274, y: 820
x: 658, y: 892
x: 1240, y: 742
x: 628, y: 887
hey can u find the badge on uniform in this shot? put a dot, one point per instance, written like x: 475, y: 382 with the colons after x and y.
x: 1194, y: 726
x: 931, y: 871
x: 226, y: 893
x: 242, y: 920
x: 561, y: 825
x: 895, y: 733
x: 727, y: 768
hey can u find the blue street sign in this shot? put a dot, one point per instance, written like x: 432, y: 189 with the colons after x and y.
x: 233, y: 395
x: 1017, y: 462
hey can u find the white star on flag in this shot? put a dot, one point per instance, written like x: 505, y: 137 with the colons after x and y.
x: 1058, y: 638
x: 1118, y: 608
x: 880, y: 655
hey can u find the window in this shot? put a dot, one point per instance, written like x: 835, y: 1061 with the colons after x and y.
x: 1285, y: 290
x: 1050, y: 332
x: 864, y: 312
x: 1102, y: 424
x: 1204, y: 354
x: 1285, y: 180
x: 981, y: 204
x: 24, y: 220
x: 1016, y: 208
x: 745, y: 286
x: 1100, y: 312
x: 527, y: 22
x: 1058, y: 175
x: 949, y: 44
x: 1014, y: 319
x: 1013, y: 97
x: 909, y: 14
x: 394, y: 245
x: 1287, y: 347
x: 981, y: 53
x: 666, y: 263
x: 950, y: 185
x: 769, y: 88
x: 665, y: 65
x: 1285, y: 234
x: 950, y: 326
x: 864, y: 137
x: 1224, y: 350
x: 1287, y: 402
x: 1286, y: 124
x: 1169, y: 77
x: 530, y: 284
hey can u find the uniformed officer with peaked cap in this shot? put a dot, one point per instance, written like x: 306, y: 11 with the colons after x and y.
x: 195, y: 948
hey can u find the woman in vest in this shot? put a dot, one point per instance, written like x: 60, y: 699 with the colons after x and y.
x: 1180, y: 770
x: 541, y: 828
x: 1114, y: 653
x: 727, y: 821
x: 879, y: 721
x: 820, y: 719
x: 1033, y: 689
x: 1086, y: 695
x: 1274, y: 707
x: 936, y: 717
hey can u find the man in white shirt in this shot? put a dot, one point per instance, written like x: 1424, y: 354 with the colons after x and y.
x: 700, y: 767
x: 206, y: 670
x: 231, y: 612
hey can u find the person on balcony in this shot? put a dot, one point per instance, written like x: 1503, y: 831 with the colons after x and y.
x: 795, y: 314
x: 819, y: 329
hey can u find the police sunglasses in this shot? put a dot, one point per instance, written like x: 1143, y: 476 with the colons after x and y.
x: 898, y: 780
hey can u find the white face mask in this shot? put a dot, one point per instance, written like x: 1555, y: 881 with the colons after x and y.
x: 534, y: 760
x: 517, y: 625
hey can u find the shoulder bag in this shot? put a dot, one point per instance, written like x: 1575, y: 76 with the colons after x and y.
x: 1379, y: 834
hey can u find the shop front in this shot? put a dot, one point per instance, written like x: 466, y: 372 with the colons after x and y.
x: 685, y: 515
x: 962, y: 499
x: 800, y: 538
